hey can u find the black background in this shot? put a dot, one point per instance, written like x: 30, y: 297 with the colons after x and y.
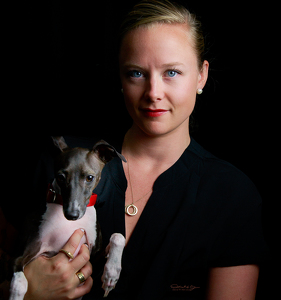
x: 61, y: 77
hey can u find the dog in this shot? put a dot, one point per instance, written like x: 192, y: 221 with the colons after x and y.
x: 70, y: 206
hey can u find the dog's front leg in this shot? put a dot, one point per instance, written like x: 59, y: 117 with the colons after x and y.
x: 18, y: 286
x: 113, y: 267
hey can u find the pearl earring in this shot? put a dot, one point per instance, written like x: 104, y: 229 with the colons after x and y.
x: 199, y: 91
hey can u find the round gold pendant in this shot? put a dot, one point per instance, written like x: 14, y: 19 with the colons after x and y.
x: 135, y: 210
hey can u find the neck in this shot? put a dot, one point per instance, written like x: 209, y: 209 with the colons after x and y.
x: 163, y: 148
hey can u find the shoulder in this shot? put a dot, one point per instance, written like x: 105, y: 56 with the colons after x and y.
x: 229, y: 205
x: 208, y: 162
x: 220, y: 179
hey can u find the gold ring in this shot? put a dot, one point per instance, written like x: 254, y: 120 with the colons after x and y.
x: 81, y: 277
x: 68, y: 254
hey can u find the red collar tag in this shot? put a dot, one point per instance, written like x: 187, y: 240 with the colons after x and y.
x: 53, y: 197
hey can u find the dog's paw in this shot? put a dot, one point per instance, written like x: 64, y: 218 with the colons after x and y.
x: 112, y: 267
x: 18, y: 286
x: 110, y: 277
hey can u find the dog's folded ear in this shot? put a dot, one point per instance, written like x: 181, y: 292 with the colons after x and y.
x: 60, y: 142
x: 106, y: 152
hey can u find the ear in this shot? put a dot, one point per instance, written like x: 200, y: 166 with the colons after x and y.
x: 203, y: 75
x: 106, y: 152
x: 59, y: 142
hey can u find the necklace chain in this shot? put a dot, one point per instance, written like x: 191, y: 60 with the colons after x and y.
x: 127, y: 207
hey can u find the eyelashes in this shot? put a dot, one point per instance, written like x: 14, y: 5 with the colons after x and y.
x: 139, y: 74
x: 173, y: 72
x: 134, y: 74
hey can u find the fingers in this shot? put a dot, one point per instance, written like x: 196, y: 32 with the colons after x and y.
x: 86, y: 270
x: 81, y: 259
x: 84, y: 288
x: 51, y: 279
x: 72, y: 243
x: 82, y: 265
x: 57, y: 275
x: 81, y: 262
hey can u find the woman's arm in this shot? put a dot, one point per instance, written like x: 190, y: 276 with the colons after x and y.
x: 233, y: 283
x: 55, y: 278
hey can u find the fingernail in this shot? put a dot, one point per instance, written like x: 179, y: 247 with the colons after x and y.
x: 86, y: 245
x: 83, y: 230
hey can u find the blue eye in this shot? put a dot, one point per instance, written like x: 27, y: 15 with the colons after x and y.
x: 135, y: 74
x: 172, y: 73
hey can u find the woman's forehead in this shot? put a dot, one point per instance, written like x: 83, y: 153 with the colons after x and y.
x: 163, y: 43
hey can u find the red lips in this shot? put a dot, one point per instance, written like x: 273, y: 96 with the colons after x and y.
x: 153, y: 112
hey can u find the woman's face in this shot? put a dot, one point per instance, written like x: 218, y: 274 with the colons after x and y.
x: 160, y: 77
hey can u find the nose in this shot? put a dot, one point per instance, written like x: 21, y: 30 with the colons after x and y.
x: 72, y: 215
x: 154, y: 89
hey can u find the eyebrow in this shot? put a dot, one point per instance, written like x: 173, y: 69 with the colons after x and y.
x: 172, y: 64
x: 129, y: 65
x: 168, y: 65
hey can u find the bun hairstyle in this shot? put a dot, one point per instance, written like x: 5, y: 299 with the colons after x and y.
x: 149, y: 12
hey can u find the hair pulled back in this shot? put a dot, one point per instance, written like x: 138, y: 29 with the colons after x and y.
x: 149, y: 12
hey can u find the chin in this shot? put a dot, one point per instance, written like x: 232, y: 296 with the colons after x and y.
x: 155, y: 130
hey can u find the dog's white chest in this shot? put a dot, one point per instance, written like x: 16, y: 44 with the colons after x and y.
x: 55, y: 229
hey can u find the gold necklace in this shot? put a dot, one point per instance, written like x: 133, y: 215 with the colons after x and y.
x: 132, y: 205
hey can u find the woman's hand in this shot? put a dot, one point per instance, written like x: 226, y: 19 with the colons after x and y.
x: 55, y: 278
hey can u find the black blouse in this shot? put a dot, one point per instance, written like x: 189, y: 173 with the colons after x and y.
x: 203, y: 213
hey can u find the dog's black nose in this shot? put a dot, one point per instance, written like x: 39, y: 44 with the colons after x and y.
x: 72, y: 215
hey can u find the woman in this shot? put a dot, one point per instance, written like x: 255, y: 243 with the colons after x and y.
x: 191, y: 221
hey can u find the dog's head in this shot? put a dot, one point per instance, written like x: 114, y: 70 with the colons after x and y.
x: 78, y: 172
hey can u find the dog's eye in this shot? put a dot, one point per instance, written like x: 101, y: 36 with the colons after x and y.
x: 60, y: 177
x: 90, y: 178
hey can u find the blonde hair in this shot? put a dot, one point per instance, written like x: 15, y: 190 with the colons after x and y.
x: 148, y: 12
